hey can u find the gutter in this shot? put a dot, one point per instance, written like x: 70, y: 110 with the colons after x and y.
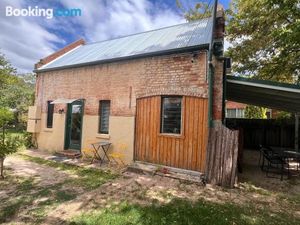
x: 211, y: 71
x: 143, y: 55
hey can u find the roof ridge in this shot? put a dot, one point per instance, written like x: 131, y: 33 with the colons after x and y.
x: 180, y: 24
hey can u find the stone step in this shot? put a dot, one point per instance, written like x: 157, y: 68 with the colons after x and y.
x: 172, y: 172
x: 70, y: 153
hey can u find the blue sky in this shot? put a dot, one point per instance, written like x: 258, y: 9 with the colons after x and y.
x: 24, y: 40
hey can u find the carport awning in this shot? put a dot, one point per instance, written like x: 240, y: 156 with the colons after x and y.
x: 63, y: 101
x: 268, y: 94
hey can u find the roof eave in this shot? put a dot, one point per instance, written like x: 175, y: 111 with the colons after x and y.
x: 144, y: 55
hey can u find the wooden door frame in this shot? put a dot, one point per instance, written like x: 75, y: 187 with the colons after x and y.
x: 67, y: 138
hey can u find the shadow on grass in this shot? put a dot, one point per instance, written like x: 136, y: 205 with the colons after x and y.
x: 88, y: 178
x: 34, y: 201
x: 182, y: 212
x: 21, y: 197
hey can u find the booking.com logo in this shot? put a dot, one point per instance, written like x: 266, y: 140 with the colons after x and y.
x: 43, y: 12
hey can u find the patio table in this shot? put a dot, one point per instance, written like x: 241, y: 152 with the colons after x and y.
x: 104, y: 146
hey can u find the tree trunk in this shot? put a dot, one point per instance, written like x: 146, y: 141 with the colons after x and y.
x: 1, y: 167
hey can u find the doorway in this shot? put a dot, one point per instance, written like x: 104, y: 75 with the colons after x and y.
x: 74, y: 125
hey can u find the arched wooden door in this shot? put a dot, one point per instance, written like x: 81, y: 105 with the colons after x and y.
x: 186, y: 149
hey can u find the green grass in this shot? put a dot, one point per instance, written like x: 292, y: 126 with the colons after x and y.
x: 250, y: 187
x: 62, y: 196
x: 183, y: 212
x: 88, y: 178
x: 26, y: 191
x: 14, y: 132
x: 21, y: 198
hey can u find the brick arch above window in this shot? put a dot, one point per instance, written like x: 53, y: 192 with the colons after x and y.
x: 201, y: 92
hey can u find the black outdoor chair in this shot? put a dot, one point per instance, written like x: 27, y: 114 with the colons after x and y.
x: 272, y: 161
x: 270, y: 151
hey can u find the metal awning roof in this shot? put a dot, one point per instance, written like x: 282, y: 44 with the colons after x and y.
x: 63, y: 101
x: 180, y: 37
x: 268, y: 94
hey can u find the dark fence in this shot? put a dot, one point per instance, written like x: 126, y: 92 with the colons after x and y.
x: 271, y: 132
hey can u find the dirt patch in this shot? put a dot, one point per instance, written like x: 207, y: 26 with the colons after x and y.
x: 145, y: 189
x: 254, y: 175
x: 44, y: 175
x: 141, y: 189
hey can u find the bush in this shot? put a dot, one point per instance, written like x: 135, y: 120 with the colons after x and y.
x: 27, y: 140
x: 8, y: 144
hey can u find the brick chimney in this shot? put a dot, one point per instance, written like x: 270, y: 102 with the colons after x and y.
x: 220, y: 23
x: 59, y: 53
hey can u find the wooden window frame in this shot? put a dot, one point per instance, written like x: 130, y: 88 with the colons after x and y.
x: 100, y: 120
x: 172, y: 135
x: 49, y: 120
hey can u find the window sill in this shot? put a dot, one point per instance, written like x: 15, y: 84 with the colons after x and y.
x: 180, y: 136
x: 50, y: 130
x: 103, y: 136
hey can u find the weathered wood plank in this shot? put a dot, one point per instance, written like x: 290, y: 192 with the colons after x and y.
x: 222, y: 152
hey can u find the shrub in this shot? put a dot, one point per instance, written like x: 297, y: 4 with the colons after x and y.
x: 8, y: 143
x: 27, y: 140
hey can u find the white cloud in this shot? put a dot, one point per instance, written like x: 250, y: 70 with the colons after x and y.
x: 22, y: 40
x: 108, y: 19
x: 25, y: 40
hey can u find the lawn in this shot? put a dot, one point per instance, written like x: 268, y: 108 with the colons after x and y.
x: 180, y: 211
x: 38, y: 191
x: 25, y: 197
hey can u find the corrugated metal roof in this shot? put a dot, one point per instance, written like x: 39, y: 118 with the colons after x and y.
x: 187, y: 35
x: 270, y: 94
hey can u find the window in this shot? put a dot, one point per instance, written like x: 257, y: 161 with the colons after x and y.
x: 50, y: 110
x: 235, y: 113
x: 171, y: 115
x: 240, y: 113
x: 230, y: 113
x: 104, y: 111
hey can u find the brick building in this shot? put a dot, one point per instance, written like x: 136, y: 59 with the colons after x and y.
x: 148, y: 92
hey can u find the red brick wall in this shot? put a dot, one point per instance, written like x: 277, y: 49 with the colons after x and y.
x: 123, y: 82
x: 235, y: 105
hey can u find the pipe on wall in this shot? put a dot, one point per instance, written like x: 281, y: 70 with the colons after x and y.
x: 211, y: 69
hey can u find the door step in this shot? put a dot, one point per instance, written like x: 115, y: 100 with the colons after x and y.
x: 172, y: 172
x: 72, y: 154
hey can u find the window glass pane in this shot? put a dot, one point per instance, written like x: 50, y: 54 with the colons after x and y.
x: 240, y: 113
x: 171, y: 115
x: 104, y: 112
x: 231, y: 113
x: 76, y: 124
x: 50, y: 110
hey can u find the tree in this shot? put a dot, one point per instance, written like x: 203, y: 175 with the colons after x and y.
x: 8, y: 144
x: 6, y: 72
x: 201, y: 10
x: 255, y: 112
x: 16, y: 91
x: 264, y: 37
x: 19, y: 96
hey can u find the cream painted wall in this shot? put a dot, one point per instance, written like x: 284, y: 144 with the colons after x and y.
x: 52, y: 139
x: 121, y: 134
